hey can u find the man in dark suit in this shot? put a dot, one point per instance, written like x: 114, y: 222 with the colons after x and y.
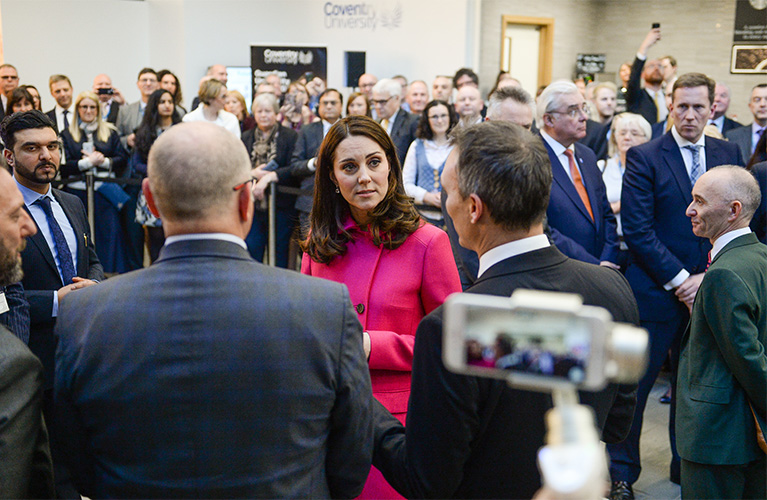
x: 9, y: 80
x: 469, y: 437
x: 667, y: 260
x: 63, y: 112
x: 747, y: 136
x: 305, y: 153
x: 208, y: 374
x: 647, y: 101
x: 582, y: 223
x: 398, y: 123
x: 721, y: 105
x: 130, y: 115
x: 60, y: 258
x: 25, y: 461
x: 722, y: 389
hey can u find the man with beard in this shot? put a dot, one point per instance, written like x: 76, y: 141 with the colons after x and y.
x: 650, y: 102
x: 61, y: 257
x: 25, y: 462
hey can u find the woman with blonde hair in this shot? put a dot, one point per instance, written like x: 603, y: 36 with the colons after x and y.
x: 92, y: 144
x: 235, y: 104
x: 211, y: 109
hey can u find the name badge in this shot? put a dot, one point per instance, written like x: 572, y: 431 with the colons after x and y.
x: 3, y: 304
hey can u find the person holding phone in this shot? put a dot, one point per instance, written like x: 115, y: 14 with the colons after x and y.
x: 92, y: 144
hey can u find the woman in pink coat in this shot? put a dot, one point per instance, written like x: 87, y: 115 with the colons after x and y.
x: 366, y: 233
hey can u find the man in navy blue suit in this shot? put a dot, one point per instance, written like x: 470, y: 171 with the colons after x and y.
x: 209, y: 375
x: 582, y: 223
x: 667, y: 260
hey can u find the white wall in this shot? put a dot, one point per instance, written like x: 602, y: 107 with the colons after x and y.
x: 79, y: 38
x: 82, y: 38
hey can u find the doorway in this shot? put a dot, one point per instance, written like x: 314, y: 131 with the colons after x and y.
x: 527, y: 45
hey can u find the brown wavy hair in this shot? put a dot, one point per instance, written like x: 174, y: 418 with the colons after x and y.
x: 391, y: 221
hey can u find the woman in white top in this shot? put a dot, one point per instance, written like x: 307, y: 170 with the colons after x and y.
x: 627, y: 130
x: 211, y: 108
x: 426, y: 158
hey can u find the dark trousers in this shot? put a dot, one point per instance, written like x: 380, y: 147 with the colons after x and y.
x: 625, y: 464
x: 701, y: 481
x: 258, y: 237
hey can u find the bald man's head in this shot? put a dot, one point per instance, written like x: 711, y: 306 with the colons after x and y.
x: 192, y: 170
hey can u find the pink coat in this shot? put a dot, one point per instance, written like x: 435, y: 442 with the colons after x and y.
x: 392, y: 290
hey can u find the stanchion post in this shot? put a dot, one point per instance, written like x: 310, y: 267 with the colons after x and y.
x: 89, y: 190
x: 272, y: 224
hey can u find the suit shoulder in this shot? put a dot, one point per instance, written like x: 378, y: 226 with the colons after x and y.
x: 68, y: 198
x: 743, y: 130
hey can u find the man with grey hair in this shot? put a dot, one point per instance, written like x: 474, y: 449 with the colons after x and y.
x: 721, y: 105
x: 180, y: 388
x: 417, y: 97
x: 507, y: 104
x: 721, y: 399
x: 582, y: 223
x: 472, y: 437
x: 398, y: 123
x: 511, y: 104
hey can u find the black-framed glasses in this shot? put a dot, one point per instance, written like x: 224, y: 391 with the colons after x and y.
x: 243, y: 184
x: 382, y: 102
x: 573, y: 111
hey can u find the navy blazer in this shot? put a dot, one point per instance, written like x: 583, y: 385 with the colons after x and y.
x: 173, y: 386
x: 730, y: 124
x: 572, y: 229
x: 637, y: 99
x: 403, y: 133
x: 656, y: 194
x: 42, y: 279
x: 307, y: 146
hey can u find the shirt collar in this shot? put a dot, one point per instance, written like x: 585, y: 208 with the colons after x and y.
x: 722, y: 241
x: 206, y: 236
x: 511, y: 249
x: 555, y: 145
x: 682, y: 142
x: 32, y: 196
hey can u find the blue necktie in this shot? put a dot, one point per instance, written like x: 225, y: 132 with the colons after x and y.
x: 66, y: 121
x: 62, y: 248
x: 697, y: 170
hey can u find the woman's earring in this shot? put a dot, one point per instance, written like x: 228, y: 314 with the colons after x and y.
x: 337, y: 190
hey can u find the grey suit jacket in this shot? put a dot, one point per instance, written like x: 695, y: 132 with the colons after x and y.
x: 25, y: 458
x: 742, y: 137
x: 211, y: 375
x: 128, y: 120
x: 403, y: 133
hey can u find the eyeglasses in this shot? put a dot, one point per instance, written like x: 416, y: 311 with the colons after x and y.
x: 9, y: 77
x: 382, y: 102
x: 243, y: 184
x: 573, y: 111
x: 439, y: 117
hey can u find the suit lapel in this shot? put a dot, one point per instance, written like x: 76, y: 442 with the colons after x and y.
x: 740, y: 241
x: 564, y: 182
x: 714, y: 154
x: 672, y: 157
x: 397, y: 125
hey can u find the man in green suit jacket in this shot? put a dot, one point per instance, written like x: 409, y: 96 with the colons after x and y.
x: 723, y: 364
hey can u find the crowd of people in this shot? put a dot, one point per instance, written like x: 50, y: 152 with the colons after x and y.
x: 208, y: 374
